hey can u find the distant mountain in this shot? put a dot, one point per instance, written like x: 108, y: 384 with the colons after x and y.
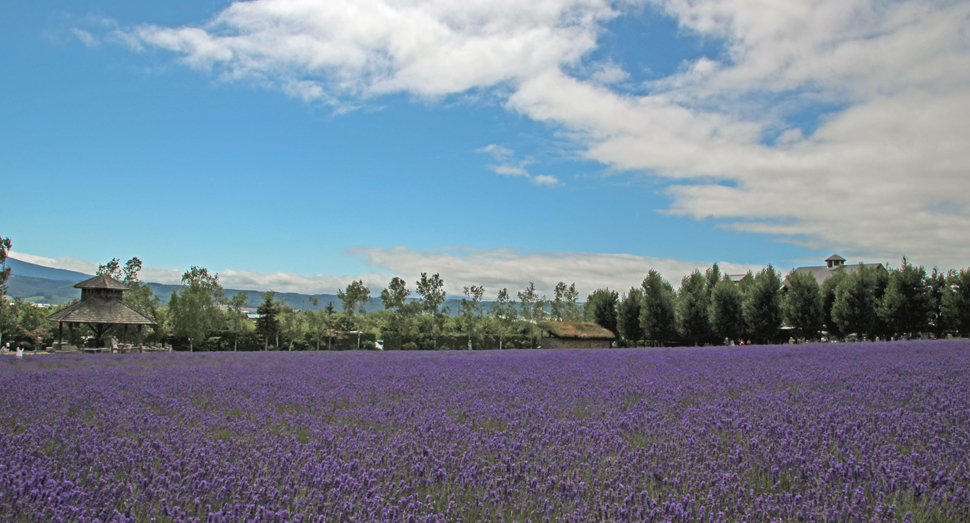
x: 22, y: 268
x: 39, y: 284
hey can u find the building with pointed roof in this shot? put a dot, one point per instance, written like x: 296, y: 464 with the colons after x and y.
x: 101, y: 307
x: 833, y: 264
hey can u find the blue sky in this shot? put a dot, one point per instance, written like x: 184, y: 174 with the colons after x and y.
x: 297, y: 145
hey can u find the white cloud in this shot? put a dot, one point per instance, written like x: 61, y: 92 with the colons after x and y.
x: 883, y: 175
x: 70, y: 264
x: 304, y: 284
x: 545, y: 179
x: 361, y: 48
x: 229, y: 278
x: 458, y: 266
x: 86, y: 38
x: 510, y: 167
x: 496, y: 269
x: 609, y: 73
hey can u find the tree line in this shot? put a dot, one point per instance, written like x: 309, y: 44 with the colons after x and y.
x: 707, y: 308
x: 866, y: 303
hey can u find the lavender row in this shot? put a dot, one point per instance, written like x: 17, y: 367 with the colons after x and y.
x: 861, y: 432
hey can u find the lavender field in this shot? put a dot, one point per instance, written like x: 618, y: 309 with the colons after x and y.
x: 861, y: 432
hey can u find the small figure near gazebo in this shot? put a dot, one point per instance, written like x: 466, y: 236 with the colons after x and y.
x: 101, y: 307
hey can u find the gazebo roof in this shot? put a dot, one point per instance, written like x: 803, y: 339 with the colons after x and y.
x: 102, y: 281
x: 100, y: 310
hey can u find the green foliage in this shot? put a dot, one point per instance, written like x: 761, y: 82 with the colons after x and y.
x: 855, y: 305
x: 140, y: 298
x: 5, y: 245
x: 691, y: 311
x: 395, y: 296
x: 268, y: 323
x: 828, y: 289
x: 432, y: 292
x: 563, y: 306
x: 955, y: 302
x: 762, y: 308
x: 471, y: 312
x: 237, y: 322
x: 935, y: 287
x: 713, y: 276
x: 802, y: 304
x: 906, y: 304
x: 294, y: 327
x: 726, y: 312
x: 503, y: 311
x: 628, y: 316
x: 354, y: 298
x: 657, y: 317
x: 194, y: 309
x: 531, y: 305
x: 601, y: 308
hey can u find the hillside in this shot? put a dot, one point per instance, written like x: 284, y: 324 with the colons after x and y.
x: 38, y: 284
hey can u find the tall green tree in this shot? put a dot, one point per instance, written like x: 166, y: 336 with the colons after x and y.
x: 880, y: 282
x: 935, y: 287
x: 294, y: 327
x: 471, y: 312
x: 194, y: 308
x: 828, y: 288
x: 955, y: 302
x: 355, y: 298
x: 801, y: 304
x: 657, y: 314
x: 762, y: 307
x: 563, y: 306
x: 601, y: 308
x: 5, y: 245
x: 395, y: 295
x: 395, y: 299
x: 692, y: 304
x: 432, y: 292
x: 532, y: 307
x: 237, y: 321
x: 726, y: 310
x: 628, y: 316
x: 906, y: 304
x: 713, y: 276
x: 504, y: 313
x: 140, y: 298
x: 855, y: 307
x: 268, y: 322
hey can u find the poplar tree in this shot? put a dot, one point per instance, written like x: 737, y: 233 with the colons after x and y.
x: 601, y: 308
x: 762, y: 310
x: 503, y: 311
x: 905, y: 306
x: 955, y: 302
x: 726, y: 311
x: 628, y: 316
x: 855, y: 306
x: 692, y: 304
x: 657, y: 311
x: 802, y: 304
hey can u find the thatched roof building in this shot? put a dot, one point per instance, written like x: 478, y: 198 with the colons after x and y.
x: 575, y: 335
x: 102, y: 306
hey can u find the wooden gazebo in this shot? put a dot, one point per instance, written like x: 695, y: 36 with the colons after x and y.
x: 101, y: 307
